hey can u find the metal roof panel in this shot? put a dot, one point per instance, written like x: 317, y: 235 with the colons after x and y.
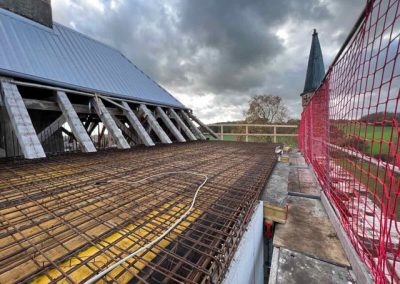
x: 67, y: 58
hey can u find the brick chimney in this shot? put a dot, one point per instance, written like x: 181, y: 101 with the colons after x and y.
x: 36, y: 10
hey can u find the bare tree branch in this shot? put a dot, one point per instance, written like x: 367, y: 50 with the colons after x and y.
x: 266, y: 109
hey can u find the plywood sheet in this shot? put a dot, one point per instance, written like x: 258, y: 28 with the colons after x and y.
x: 293, y: 267
x: 308, y: 230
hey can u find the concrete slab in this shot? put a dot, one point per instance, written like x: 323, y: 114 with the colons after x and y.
x: 293, y: 267
x: 308, y: 230
x: 275, y: 194
x: 276, y: 190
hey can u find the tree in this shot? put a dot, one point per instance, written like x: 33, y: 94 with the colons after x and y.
x: 266, y: 109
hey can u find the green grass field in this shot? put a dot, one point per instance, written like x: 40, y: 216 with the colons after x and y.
x: 373, y: 177
x: 226, y: 138
x: 360, y: 170
x: 287, y: 141
x: 378, y: 137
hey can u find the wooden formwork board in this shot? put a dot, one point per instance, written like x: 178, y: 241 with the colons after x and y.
x: 275, y: 213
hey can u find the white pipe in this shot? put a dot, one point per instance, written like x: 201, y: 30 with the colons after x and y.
x: 105, y: 271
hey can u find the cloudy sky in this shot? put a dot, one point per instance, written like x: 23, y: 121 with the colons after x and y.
x: 213, y: 55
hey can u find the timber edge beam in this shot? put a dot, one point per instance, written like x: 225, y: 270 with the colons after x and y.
x: 275, y: 213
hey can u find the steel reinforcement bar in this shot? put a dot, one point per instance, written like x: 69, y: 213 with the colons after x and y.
x: 68, y: 217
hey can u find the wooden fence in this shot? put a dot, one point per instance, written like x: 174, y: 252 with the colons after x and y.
x: 254, y: 130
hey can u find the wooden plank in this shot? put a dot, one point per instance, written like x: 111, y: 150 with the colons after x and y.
x: 87, y: 94
x: 284, y: 158
x: 53, y: 106
x: 193, y: 127
x: 101, y: 135
x: 88, y: 121
x: 295, y: 267
x: 155, y: 125
x: 148, y: 128
x: 259, y: 134
x: 137, y: 126
x: 302, y: 182
x: 75, y: 123
x: 199, y: 122
x: 21, y: 122
x: 112, y: 102
x: 206, y: 127
x: 296, y: 159
x: 256, y: 125
x: 358, y: 266
x: 110, y: 124
x: 70, y: 134
x: 181, y: 124
x: 309, y: 231
x: 177, y: 134
x: 128, y: 132
x: 275, y: 213
x: 52, y: 128
x: 92, y: 127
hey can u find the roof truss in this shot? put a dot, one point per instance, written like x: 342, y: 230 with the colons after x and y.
x: 119, y: 118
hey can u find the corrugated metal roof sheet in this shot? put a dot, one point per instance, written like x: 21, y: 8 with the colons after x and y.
x: 64, y: 57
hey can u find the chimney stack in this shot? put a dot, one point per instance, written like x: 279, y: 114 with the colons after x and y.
x: 36, y: 10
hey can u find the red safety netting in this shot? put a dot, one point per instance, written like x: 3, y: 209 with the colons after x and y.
x: 349, y: 133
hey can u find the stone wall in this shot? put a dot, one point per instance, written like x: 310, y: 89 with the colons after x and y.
x: 37, y: 10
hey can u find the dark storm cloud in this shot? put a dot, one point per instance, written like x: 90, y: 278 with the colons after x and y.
x: 226, y: 50
x: 242, y: 35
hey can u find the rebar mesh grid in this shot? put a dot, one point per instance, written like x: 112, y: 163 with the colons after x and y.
x: 66, y: 218
x: 350, y: 132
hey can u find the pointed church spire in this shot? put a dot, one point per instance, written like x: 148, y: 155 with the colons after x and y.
x: 315, y: 68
